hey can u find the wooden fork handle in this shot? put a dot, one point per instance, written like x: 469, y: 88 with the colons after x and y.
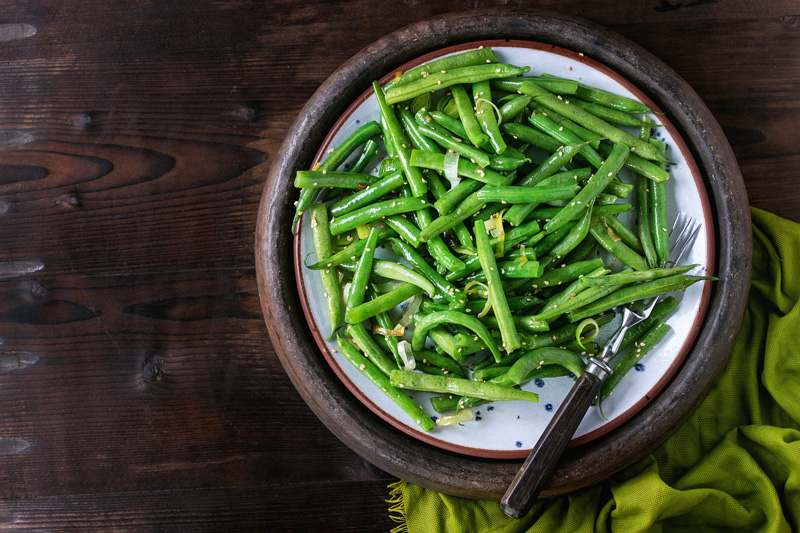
x: 542, y: 461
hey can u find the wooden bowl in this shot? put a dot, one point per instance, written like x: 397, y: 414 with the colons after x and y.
x: 410, y: 459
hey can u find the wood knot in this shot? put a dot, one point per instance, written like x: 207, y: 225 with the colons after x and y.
x: 247, y: 112
x: 69, y: 201
x: 33, y: 291
x: 80, y: 120
x: 153, y: 369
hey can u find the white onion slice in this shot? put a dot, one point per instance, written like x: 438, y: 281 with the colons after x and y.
x: 407, y: 355
x: 451, y: 168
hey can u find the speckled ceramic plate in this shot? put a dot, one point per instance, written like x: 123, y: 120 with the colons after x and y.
x: 509, y: 429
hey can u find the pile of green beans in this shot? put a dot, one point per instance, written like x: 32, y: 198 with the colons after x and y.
x: 466, y: 237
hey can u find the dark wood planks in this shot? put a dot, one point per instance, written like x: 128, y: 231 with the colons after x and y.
x: 133, y: 141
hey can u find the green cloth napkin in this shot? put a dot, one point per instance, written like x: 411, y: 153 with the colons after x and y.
x: 733, y: 466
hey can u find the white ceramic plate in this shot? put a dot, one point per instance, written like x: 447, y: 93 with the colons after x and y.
x: 510, y: 429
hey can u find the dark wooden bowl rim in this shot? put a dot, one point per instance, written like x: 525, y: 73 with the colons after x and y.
x: 454, y: 473
x: 687, y: 342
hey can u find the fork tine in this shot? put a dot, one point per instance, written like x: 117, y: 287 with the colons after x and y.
x: 687, y: 241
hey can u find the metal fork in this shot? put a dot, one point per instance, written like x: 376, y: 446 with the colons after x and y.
x: 682, y: 235
x: 542, y: 460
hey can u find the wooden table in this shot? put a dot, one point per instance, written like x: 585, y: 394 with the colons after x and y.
x: 139, y: 390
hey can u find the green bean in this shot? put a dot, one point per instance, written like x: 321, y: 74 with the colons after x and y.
x: 518, y: 213
x: 511, y: 159
x: 407, y: 230
x: 643, y: 221
x: 613, y: 116
x: 396, y: 271
x: 511, y: 194
x: 437, y: 247
x: 484, y: 112
x: 563, y: 299
x: 583, y: 251
x: 552, y: 84
x: 349, y: 253
x: 622, y: 231
x: 369, y: 151
x: 594, y: 158
x: 453, y: 125
x: 512, y: 238
x: 467, y: 344
x: 475, y: 155
x: 635, y: 276
x: 449, y: 402
x: 479, y: 56
x: 634, y: 293
x: 611, y: 242
x: 520, y: 270
x: 466, y: 168
x: 527, y: 323
x: 551, y: 240
x: 531, y: 136
x: 544, y: 213
x: 383, y: 320
x: 330, y: 278
x: 381, y: 304
x: 367, y: 196
x: 441, y: 80
x: 614, y: 101
x: 641, y: 166
x: 456, y: 195
x: 589, y: 121
x: 418, y: 140
x: 441, y: 361
x: 370, y: 213
x: 568, y: 273
x: 661, y: 312
x: 446, y: 342
x: 515, y: 303
x: 447, y: 105
x: 428, y: 322
x: 466, y: 112
x: 514, y: 107
x: 591, y: 190
x: 364, y: 341
x: 658, y: 220
x: 358, y: 287
x: 497, y: 297
x: 388, y: 166
x: 538, y: 358
x: 332, y: 162
x: 464, y: 387
x: 444, y: 287
x: 322, y: 179
x: 627, y: 360
x: 563, y: 123
x: 471, y: 205
x: 401, y: 145
x: 576, y: 235
x: 408, y: 405
x: 460, y: 230
x: 485, y: 374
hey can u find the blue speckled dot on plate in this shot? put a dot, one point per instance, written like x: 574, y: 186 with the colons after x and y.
x: 548, y: 407
x: 490, y: 408
x: 434, y: 418
x: 639, y: 367
x: 518, y: 444
x: 539, y: 382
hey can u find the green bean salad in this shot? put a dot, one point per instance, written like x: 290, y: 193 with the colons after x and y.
x: 496, y: 195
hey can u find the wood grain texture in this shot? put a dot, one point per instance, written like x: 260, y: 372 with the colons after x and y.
x: 138, y: 383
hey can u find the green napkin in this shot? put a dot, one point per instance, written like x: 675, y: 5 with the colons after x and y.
x: 734, y: 465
